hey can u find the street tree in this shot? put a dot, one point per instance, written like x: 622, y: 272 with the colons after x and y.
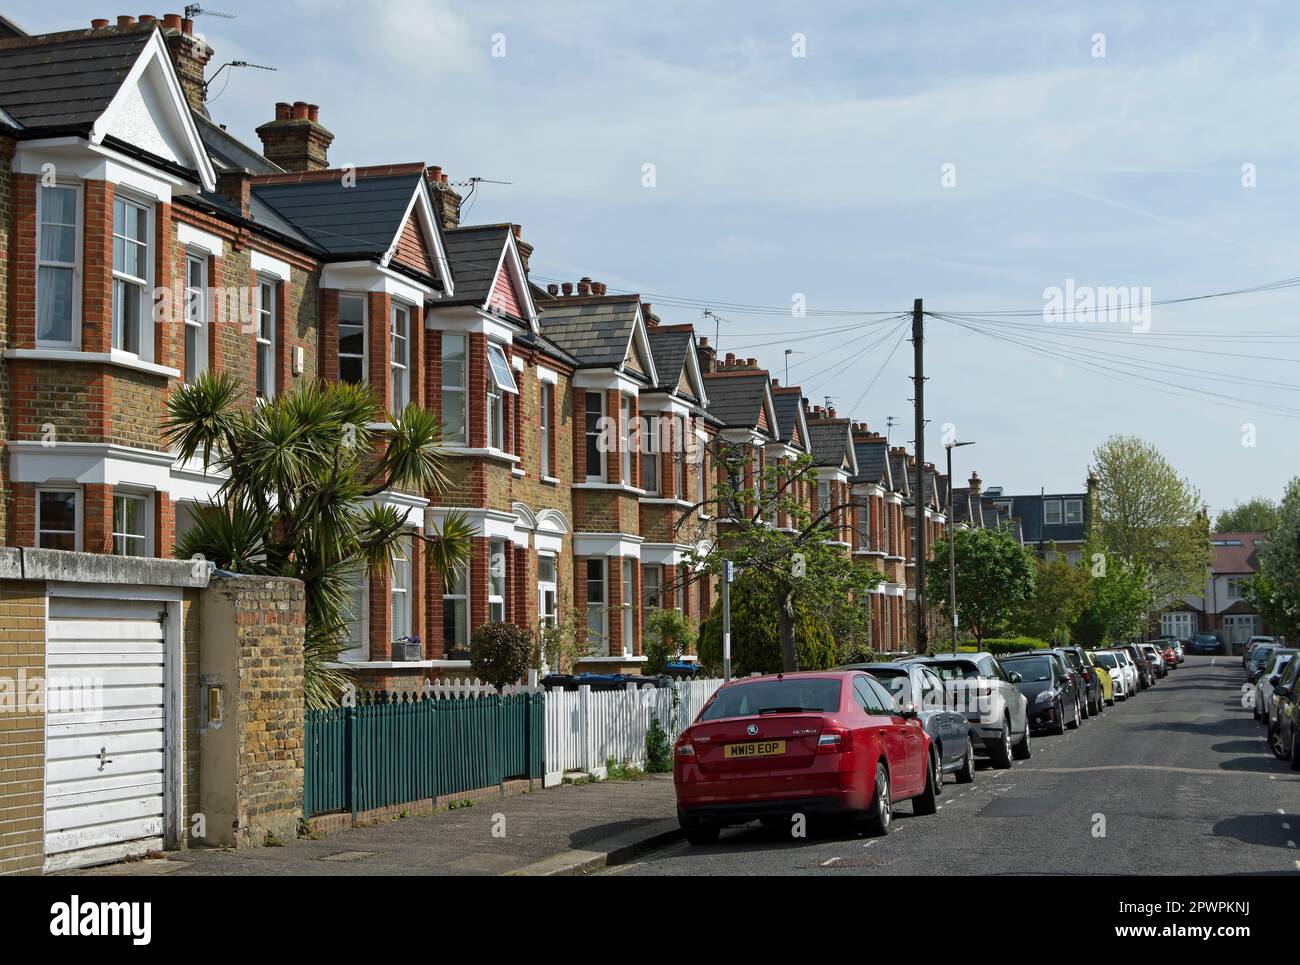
x: 1258, y: 515
x: 1118, y: 598
x: 801, y: 565
x: 302, y: 473
x: 1275, y: 589
x: 1149, y: 515
x: 994, y: 578
x: 1060, y: 593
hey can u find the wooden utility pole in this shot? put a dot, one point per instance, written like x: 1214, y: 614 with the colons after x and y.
x: 920, y: 632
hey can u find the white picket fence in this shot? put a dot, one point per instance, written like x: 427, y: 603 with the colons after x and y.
x: 586, y: 728
x: 447, y: 688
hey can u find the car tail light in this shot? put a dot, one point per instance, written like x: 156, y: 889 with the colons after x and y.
x: 685, y: 750
x: 833, y: 740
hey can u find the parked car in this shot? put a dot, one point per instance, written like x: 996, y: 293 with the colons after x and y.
x: 1285, y: 718
x: 1093, y: 692
x: 1165, y: 647
x: 1145, y: 665
x: 1205, y: 643
x: 1258, y: 659
x: 1157, y: 659
x: 987, y: 696
x: 830, y: 743
x: 1117, y: 671
x: 950, y: 734
x: 1270, y: 678
x: 1250, y: 646
x: 1103, y: 675
x: 1052, y: 693
x: 1132, y: 672
x: 1180, y: 647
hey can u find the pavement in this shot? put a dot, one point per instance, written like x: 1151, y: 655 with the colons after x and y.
x: 565, y: 830
x: 1176, y: 781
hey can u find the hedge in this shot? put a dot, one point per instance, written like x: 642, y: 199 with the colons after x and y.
x: 1000, y: 646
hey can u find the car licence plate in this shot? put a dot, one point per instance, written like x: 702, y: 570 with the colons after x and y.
x: 755, y: 749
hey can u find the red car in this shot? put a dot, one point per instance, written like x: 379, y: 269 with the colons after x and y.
x: 831, y: 743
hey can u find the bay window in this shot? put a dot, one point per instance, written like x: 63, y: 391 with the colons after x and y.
x: 130, y: 525
x: 399, y: 333
x: 497, y: 581
x: 625, y: 440
x: 356, y: 645
x: 650, y: 587
x: 266, y: 335
x: 547, y: 591
x: 131, y: 272
x: 500, y: 380
x: 650, y: 456
x: 595, y: 443
x: 58, y: 265
x: 546, y: 394
x: 400, y: 588
x: 352, y: 339
x: 454, y: 372
x: 196, y: 316
x: 455, y: 612
x: 58, y: 518
x: 629, y: 605
x: 679, y: 459
x: 597, y: 611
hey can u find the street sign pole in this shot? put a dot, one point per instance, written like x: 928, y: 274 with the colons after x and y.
x: 726, y: 620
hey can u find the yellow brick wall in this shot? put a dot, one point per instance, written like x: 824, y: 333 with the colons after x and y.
x: 22, y: 728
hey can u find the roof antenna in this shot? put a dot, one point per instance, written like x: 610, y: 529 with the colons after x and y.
x: 717, y: 327
x: 193, y: 10
x: 890, y: 422
x: 207, y: 84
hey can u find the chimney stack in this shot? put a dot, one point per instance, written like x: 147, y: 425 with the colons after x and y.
x: 976, y: 484
x: 295, y: 140
x: 189, y: 54
x: 706, y: 355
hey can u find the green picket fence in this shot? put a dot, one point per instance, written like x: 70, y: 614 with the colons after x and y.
x: 391, y: 750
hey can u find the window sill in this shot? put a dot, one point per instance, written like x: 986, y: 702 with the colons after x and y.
x: 382, y: 664
x: 120, y: 359
x: 517, y: 472
x: 551, y: 480
x: 618, y: 487
x: 666, y: 501
x: 500, y: 455
x: 380, y: 426
x: 628, y: 659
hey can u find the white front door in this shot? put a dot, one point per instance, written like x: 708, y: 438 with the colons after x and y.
x: 106, y: 772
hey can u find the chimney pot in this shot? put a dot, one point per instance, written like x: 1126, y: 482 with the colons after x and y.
x: 125, y: 21
x: 830, y: 412
x: 752, y: 363
x: 283, y: 110
x: 704, y: 341
x: 299, y: 110
x: 435, y: 173
x: 187, y: 26
x: 567, y: 287
x: 98, y: 24
x: 552, y: 289
x: 147, y: 18
x: 172, y: 21
x: 776, y: 383
x: 584, y: 286
x: 518, y: 230
x: 731, y: 358
x: 313, y: 113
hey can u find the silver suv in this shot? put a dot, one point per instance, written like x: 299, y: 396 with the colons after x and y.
x: 995, y: 708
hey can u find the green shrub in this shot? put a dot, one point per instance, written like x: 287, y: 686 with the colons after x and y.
x: 1005, y: 645
x: 668, y: 635
x: 500, y: 653
x: 658, y: 751
x: 755, y: 639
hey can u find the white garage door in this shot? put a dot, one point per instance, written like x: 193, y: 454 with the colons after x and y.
x: 105, y: 730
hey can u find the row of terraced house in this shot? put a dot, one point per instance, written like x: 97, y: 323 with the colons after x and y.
x: 115, y: 183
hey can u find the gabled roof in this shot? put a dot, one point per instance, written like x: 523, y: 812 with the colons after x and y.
x: 873, y: 465
x: 114, y: 89
x: 832, y: 444
x: 599, y: 331
x: 677, y: 365
x: 900, y: 478
x: 489, y: 271
x: 361, y: 213
x: 740, y: 399
x: 792, y: 424
x: 961, y: 506
x: 66, y: 84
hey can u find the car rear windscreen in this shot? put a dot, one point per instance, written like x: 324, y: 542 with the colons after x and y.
x: 1105, y: 659
x: 816, y: 694
x: 954, y: 669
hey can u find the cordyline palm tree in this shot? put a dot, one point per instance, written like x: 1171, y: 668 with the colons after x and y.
x: 301, y: 473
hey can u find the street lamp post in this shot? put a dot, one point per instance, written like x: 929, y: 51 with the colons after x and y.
x: 952, y: 554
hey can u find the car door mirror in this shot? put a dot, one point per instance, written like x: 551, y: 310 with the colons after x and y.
x: 1014, y: 677
x: 1282, y: 690
x: 1274, y: 680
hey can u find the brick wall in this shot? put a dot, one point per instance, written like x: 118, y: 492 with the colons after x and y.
x: 22, y: 731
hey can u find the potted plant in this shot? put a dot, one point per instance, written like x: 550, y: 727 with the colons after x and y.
x: 407, y: 649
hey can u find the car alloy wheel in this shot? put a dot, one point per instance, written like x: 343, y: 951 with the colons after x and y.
x: 966, y: 773
x: 1275, y: 743
x: 876, y: 822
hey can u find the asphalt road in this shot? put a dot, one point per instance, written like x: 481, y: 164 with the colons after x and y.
x: 1180, y: 776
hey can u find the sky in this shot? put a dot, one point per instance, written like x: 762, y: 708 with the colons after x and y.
x: 748, y: 158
